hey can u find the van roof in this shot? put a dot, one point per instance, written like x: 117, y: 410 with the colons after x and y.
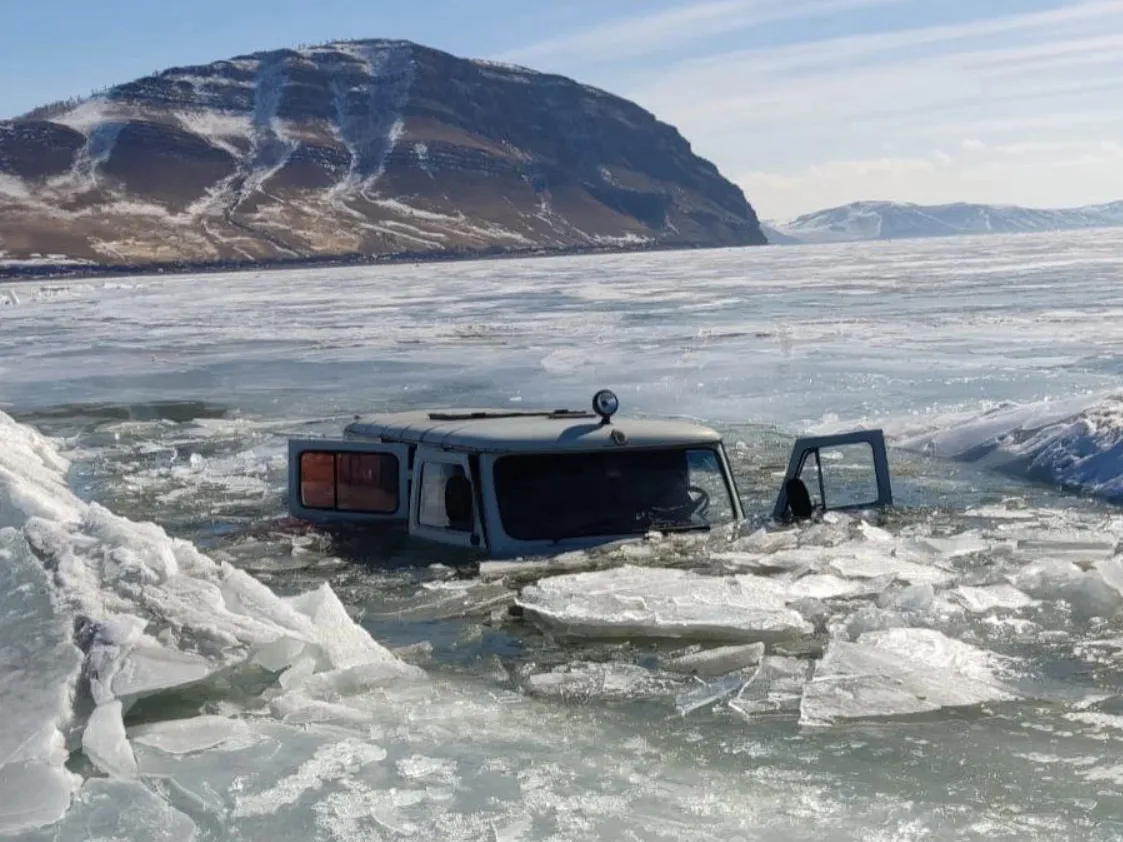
x: 523, y: 431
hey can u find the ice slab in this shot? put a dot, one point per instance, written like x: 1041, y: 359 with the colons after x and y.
x: 1002, y: 597
x: 628, y: 602
x: 122, y: 810
x: 830, y: 586
x: 605, y: 681
x: 720, y: 660
x: 872, y: 557
x: 897, y: 672
x: 709, y: 693
x: 775, y: 688
x: 38, y: 670
x: 105, y: 743
x: 149, y: 669
x: 199, y: 733
x: 1089, y: 594
x: 328, y: 763
x: 873, y: 565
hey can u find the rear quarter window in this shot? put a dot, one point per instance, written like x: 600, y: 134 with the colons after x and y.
x: 350, y: 482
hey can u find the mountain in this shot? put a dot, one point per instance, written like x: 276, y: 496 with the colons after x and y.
x: 372, y: 147
x: 895, y: 220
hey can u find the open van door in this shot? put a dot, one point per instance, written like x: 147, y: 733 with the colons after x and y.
x: 832, y: 473
x: 332, y: 481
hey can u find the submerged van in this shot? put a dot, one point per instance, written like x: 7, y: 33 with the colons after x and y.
x: 533, y: 482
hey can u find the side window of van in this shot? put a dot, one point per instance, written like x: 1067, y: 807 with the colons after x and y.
x: 446, y: 497
x: 350, y: 482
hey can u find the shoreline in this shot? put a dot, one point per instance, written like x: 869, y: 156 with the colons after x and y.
x: 57, y: 271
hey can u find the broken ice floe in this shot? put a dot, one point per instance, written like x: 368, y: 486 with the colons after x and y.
x: 154, y: 614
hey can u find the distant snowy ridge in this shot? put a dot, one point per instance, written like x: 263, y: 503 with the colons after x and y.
x: 896, y: 220
x: 367, y: 147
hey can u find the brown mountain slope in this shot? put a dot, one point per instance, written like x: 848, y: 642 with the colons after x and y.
x: 373, y: 147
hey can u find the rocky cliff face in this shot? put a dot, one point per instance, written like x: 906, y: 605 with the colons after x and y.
x: 368, y: 146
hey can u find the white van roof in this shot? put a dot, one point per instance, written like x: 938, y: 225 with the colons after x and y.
x: 522, y: 431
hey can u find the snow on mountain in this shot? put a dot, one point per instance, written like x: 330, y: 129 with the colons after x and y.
x: 896, y: 220
x: 356, y: 147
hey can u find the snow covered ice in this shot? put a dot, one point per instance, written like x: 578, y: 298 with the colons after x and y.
x: 174, y: 665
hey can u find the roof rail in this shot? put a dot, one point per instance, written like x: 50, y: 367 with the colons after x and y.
x: 484, y: 415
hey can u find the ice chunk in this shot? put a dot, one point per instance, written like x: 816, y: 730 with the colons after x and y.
x: 1110, y: 571
x: 324, y: 696
x: 709, y: 693
x: 664, y: 603
x: 1088, y: 594
x: 185, y: 736
x: 717, y: 661
x: 872, y: 565
x: 798, y: 559
x: 767, y: 541
x: 912, y: 599
x: 119, y: 810
x: 979, y: 600
x: 344, y: 643
x: 148, y: 669
x: 105, y: 744
x: 38, y: 668
x: 827, y: 586
x: 330, y: 762
x: 611, y: 681
x: 953, y: 546
x: 775, y: 688
x: 896, y: 672
x: 33, y: 794
x: 429, y: 769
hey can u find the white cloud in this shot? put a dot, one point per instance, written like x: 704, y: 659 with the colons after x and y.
x: 1035, y: 175
x: 676, y: 26
x: 1007, y: 108
x: 809, y: 120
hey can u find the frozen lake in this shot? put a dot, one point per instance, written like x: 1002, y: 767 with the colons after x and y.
x: 175, y: 667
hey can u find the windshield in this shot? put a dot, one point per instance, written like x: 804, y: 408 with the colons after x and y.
x: 620, y: 492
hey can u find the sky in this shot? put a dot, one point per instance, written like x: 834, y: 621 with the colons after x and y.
x: 806, y: 104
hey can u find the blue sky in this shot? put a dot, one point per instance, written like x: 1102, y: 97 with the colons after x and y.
x: 804, y: 103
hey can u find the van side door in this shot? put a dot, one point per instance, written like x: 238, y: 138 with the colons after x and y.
x: 834, y: 473
x: 445, y: 505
